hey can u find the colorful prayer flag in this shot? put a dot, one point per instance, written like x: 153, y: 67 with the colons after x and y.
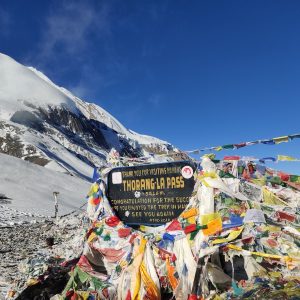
x: 219, y: 148
x: 286, y: 158
x: 268, y: 142
x: 294, y: 136
x: 281, y: 139
x: 96, y: 176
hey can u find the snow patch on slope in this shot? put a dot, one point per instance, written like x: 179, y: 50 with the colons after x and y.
x: 35, y: 187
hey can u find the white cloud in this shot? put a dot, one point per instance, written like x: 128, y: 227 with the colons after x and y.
x: 67, y: 28
x: 70, y: 29
x: 72, y: 33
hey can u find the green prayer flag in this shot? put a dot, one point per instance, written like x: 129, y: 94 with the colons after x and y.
x: 81, y: 275
x: 223, y: 174
x: 99, y: 230
x: 98, y: 284
x: 294, y: 178
x: 229, y: 146
x: 275, y: 180
x: 107, y: 237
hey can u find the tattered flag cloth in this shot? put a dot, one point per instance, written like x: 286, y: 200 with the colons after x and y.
x: 237, y: 238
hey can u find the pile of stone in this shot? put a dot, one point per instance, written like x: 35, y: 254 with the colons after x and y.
x: 32, y: 251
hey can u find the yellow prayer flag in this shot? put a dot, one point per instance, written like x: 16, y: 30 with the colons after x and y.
x: 92, y: 236
x: 232, y: 236
x: 136, y: 283
x: 259, y: 181
x: 82, y: 295
x: 204, y: 219
x: 219, y: 148
x: 191, y: 220
x: 281, y: 139
x: 152, y: 290
x: 233, y: 247
x: 143, y: 228
x: 205, y: 175
x: 93, y: 189
x: 32, y: 281
x: 285, y: 157
x: 275, y: 274
x: 270, y: 198
x: 210, y: 156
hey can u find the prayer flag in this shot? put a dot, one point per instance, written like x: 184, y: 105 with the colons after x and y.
x: 281, y: 139
x: 286, y: 158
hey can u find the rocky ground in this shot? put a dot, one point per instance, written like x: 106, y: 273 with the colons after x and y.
x: 10, y: 217
x: 25, y: 253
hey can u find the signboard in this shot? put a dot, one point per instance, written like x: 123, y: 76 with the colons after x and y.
x: 151, y: 194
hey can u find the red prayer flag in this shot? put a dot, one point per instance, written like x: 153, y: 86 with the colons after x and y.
x: 174, y: 225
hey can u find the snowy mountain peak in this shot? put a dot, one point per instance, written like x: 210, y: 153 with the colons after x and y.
x: 19, y: 84
x: 48, y: 125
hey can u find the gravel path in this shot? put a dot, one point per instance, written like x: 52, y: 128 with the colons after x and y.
x: 23, y: 248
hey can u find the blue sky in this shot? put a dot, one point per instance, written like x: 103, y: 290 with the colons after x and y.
x: 194, y: 73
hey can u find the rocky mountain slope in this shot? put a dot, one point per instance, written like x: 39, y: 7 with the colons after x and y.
x: 48, y: 125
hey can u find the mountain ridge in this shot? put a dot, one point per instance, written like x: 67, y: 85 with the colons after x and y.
x: 48, y: 125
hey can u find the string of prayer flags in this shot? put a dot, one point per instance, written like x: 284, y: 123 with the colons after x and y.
x: 272, y: 141
x: 196, y: 151
x: 261, y: 160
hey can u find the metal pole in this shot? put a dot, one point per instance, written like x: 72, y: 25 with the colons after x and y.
x: 55, y: 194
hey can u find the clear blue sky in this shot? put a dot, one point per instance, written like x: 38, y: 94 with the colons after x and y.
x: 194, y: 73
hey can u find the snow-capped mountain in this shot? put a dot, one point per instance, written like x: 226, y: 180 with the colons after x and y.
x: 46, y: 124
